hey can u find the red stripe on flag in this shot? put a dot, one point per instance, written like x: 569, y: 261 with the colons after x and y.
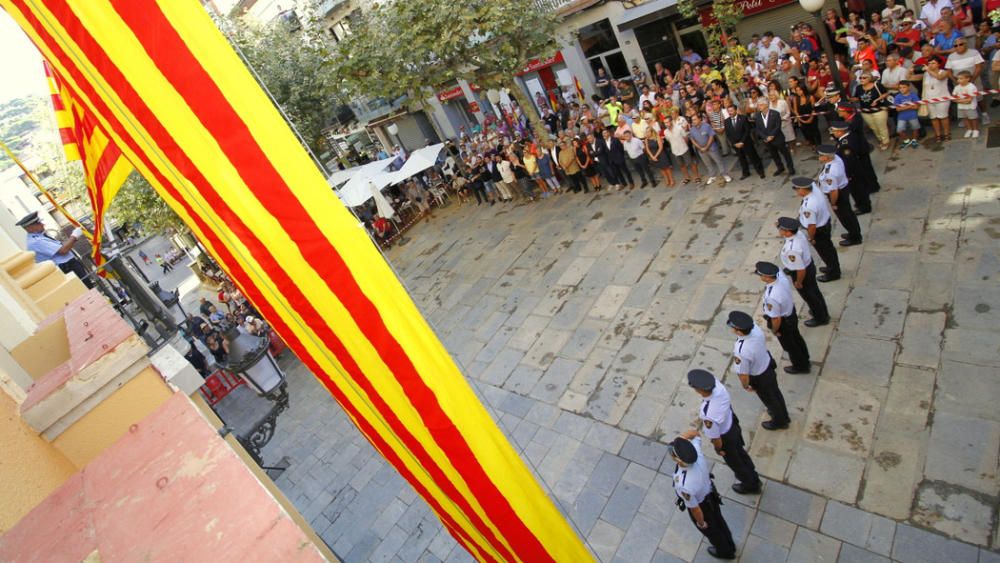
x: 67, y: 136
x: 127, y: 94
x: 192, y: 82
x: 226, y: 257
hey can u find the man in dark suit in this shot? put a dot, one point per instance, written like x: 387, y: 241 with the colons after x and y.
x: 866, y: 170
x: 769, y: 130
x: 616, y: 158
x: 599, y: 152
x: 738, y: 129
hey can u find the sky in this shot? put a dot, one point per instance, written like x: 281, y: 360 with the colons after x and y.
x: 21, y: 65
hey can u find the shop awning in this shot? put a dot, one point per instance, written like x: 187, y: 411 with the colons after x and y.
x: 647, y: 12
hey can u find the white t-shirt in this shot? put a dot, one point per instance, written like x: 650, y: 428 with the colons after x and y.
x: 963, y: 90
x: 677, y: 137
x: 932, y: 12
x: 966, y: 61
x: 776, y: 47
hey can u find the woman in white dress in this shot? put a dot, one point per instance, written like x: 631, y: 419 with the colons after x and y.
x: 935, y: 80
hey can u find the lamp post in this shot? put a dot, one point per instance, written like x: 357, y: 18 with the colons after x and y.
x: 249, y: 358
x: 815, y: 7
x: 393, y: 130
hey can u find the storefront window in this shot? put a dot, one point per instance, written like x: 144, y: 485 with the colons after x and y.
x: 597, y: 38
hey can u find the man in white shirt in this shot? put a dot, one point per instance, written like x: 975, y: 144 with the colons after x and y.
x: 636, y: 151
x: 931, y: 12
x: 770, y: 47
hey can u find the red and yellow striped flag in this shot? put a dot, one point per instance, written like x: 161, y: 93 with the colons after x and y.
x: 105, y: 167
x: 171, y: 93
x: 579, y: 89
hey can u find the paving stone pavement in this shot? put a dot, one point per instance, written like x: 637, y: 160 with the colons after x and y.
x: 577, y: 317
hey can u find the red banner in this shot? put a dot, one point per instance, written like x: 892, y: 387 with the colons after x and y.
x: 538, y: 64
x: 454, y: 93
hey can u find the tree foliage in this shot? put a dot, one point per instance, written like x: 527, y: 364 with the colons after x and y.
x: 296, y: 66
x: 137, y: 203
x: 726, y: 14
x: 412, y: 48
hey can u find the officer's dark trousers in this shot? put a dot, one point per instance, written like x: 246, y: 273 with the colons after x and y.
x: 846, y: 216
x: 826, y: 250
x: 860, y: 192
x: 717, y: 532
x: 792, y: 342
x: 867, y: 170
x: 620, y: 169
x: 766, y: 386
x: 737, y: 457
x: 74, y: 266
x: 811, y: 294
x: 748, y: 156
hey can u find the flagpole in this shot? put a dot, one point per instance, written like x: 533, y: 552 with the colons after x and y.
x: 46, y: 192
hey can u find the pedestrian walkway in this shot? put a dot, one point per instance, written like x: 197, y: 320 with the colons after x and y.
x: 577, y: 318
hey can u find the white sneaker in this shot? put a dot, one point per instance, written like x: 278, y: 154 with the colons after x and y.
x: 967, y: 134
x: 710, y: 180
x: 728, y: 179
x: 975, y: 134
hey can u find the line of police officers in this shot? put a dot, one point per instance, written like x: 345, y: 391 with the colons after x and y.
x: 846, y: 174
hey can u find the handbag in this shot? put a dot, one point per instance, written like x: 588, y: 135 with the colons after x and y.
x: 924, y: 110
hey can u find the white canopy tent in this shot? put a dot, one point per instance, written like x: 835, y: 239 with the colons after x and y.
x: 355, y: 191
x: 341, y: 176
x: 420, y: 160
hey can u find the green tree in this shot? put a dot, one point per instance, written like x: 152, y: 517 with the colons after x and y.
x: 295, y: 65
x: 726, y: 14
x: 411, y: 48
x: 138, y: 203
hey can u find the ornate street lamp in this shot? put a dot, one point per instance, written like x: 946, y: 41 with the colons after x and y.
x: 249, y: 358
x: 815, y: 7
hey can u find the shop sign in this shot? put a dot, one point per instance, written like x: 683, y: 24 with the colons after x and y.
x: 474, y: 107
x: 538, y: 64
x: 454, y: 93
x: 750, y: 8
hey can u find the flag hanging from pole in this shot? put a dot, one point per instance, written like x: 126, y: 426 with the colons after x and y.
x: 167, y: 88
x: 105, y: 167
x: 579, y: 89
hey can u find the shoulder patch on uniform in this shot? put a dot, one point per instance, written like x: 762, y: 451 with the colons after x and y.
x: 829, y: 182
x: 686, y: 496
x: 847, y: 151
x: 770, y: 307
x: 792, y: 258
x: 708, y: 424
x: 737, y: 360
x: 806, y: 213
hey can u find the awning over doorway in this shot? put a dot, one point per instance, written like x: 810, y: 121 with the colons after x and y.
x: 647, y: 12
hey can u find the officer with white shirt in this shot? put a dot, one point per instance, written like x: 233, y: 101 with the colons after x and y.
x: 778, y: 307
x: 834, y: 183
x: 798, y: 264
x: 48, y: 248
x: 755, y: 367
x: 696, y: 493
x: 815, y: 215
x: 721, y: 426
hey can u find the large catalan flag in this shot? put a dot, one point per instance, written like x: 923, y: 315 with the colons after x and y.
x: 83, y: 138
x: 170, y: 92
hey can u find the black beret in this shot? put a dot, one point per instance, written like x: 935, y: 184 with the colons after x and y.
x: 701, y: 379
x: 766, y: 269
x: 29, y: 219
x: 827, y: 150
x: 740, y: 321
x: 838, y: 124
x: 683, y: 450
x: 788, y: 224
x: 801, y: 182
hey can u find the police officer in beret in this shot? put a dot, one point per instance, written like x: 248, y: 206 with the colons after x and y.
x: 696, y: 493
x: 722, y: 428
x: 798, y: 264
x: 815, y: 215
x: 778, y: 307
x: 849, y: 149
x: 755, y: 367
x: 833, y: 182
x: 48, y: 248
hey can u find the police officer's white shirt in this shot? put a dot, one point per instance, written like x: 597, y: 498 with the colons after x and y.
x: 815, y: 210
x: 46, y: 248
x: 716, y: 412
x: 833, y: 176
x: 693, y: 483
x: 795, y: 252
x: 750, y: 355
x: 778, y: 298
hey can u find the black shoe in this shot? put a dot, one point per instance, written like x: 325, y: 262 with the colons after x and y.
x: 850, y: 242
x: 745, y: 490
x: 643, y: 185
x: 779, y: 172
x: 828, y: 278
x: 812, y: 323
x: 744, y: 176
x: 792, y: 370
x: 823, y: 269
x: 845, y: 235
x: 715, y: 553
x: 865, y: 211
x: 762, y: 175
x: 772, y: 425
